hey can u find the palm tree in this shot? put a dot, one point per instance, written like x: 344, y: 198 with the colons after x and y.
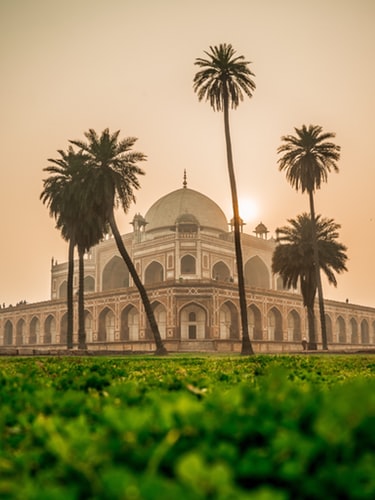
x: 294, y: 261
x: 114, y: 172
x: 223, y: 81
x: 307, y: 158
x: 57, y: 195
x: 67, y: 194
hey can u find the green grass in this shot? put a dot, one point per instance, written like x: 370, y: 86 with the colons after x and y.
x: 194, y: 427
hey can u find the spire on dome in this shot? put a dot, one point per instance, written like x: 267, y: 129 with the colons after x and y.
x: 184, y: 184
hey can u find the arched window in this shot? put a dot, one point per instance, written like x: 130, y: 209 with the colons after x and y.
x: 188, y: 265
x: 328, y: 328
x: 88, y: 326
x: 106, y: 330
x: 255, y: 322
x: 229, y: 321
x: 192, y: 329
x: 256, y: 273
x: 275, y: 331
x: 50, y: 330
x: 365, y: 335
x: 8, y: 333
x: 64, y: 329
x: 63, y: 290
x: 115, y: 274
x: 129, y: 329
x: 34, y: 331
x: 354, y: 331
x: 221, y: 272
x: 21, y: 332
x: 341, y: 330
x: 294, y: 326
x: 89, y: 284
x: 154, y: 273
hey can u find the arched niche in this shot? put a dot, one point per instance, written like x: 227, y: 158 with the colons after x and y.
x: 294, y: 326
x: 256, y: 273
x: 341, y: 330
x: 275, y: 329
x: 106, y: 331
x: 221, y: 272
x: 89, y: 284
x: 228, y: 318
x: 193, y: 322
x: 188, y: 264
x: 50, y: 330
x: 255, y: 322
x: 20, y: 332
x: 129, y: 327
x: 115, y: 274
x: 34, y: 337
x: 8, y: 333
x: 154, y: 273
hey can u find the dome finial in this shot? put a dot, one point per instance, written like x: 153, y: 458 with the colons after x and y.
x: 185, y: 181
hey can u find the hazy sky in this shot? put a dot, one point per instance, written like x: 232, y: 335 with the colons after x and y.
x: 67, y: 66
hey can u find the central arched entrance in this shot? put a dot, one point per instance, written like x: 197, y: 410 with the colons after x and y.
x: 193, y: 322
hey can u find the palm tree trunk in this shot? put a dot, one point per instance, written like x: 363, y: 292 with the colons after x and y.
x: 160, y: 348
x: 246, y: 343
x: 81, y: 304
x: 311, y: 325
x: 69, y: 334
x: 317, y: 272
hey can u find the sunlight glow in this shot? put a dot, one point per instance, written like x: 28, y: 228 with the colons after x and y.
x: 249, y: 209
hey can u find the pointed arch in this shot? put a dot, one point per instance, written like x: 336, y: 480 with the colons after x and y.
x: 329, y: 328
x: 294, y: 326
x: 256, y: 273
x: 275, y: 329
x: 354, y: 331
x: 34, y: 337
x: 21, y: 332
x: 64, y: 329
x: 129, y: 323
x: 89, y: 326
x: 106, y: 331
x: 365, y: 334
x: 63, y: 290
x: 193, y: 322
x: 50, y: 330
x: 228, y: 321
x: 160, y: 313
x: 341, y: 330
x: 115, y: 274
x: 8, y: 333
x: 154, y: 273
x: 221, y: 272
x: 89, y: 284
x: 255, y: 322
x: 188, y: 264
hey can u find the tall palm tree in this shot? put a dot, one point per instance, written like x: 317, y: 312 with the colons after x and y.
x: 57, y: 195
x: 307, y: 158
x: 223, y: 80
x: 68, y: 196
x: 294, y: 260
x: 114, y: 172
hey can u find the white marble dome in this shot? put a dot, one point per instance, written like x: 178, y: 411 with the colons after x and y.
x: 169, y: 209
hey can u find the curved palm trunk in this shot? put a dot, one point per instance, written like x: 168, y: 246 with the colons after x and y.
x: 160, y: 348
x: 69, y: 334
x: 81, y: 304
x: 246, y: 343
x: 317, y: 272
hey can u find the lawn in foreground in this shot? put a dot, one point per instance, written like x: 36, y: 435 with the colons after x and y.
x: 262, y: 427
